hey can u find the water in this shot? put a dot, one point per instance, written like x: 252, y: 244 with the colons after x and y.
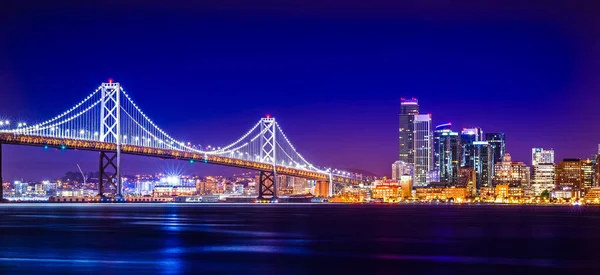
x: 297, y: 239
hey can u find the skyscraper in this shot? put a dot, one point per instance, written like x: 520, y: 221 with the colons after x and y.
x: 408, y: 109
x: 449, y: 151
x: 467, y: 137
x: 437, y: 133
x: 483, y: 162
x: 423, y: 139
x: 498, y: 143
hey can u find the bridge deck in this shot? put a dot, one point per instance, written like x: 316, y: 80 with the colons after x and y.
x: 90, y: 145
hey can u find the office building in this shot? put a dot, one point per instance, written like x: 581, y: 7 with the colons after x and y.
x: 437, y: 133
x: 467, y: 137
x: 20, y: 188
x: 498, y: 143
x: 541, y: 155
x: 542, y: 178
x: 449, y: 152
x: 483, y: 162
x: 542, y: 164
x: 401, y: 168
x: 587, y: 167
x: 512, y: 174
x: 408, y: 109
x: 423, y: 139
x: 568, y: 175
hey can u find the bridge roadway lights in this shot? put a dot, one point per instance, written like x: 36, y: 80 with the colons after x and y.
x: 267, y: 189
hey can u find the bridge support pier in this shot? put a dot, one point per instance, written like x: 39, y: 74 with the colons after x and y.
x: 109, y: 175
x: 267, y: 188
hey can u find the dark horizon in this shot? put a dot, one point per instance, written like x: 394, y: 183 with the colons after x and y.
x: 206, y: 72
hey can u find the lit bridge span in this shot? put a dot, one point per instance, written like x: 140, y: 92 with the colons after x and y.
x: 108, y: 121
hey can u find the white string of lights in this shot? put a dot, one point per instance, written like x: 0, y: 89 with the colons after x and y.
x: 174, y: 140
x: 294, y: 149
x: 64, y: 113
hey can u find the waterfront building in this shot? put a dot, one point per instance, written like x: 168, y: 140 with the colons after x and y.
x: 386, y: 190
x: 437, y: 134
x: 513, y: 174
x: 422, y: 149
x: 587, y: 167
x: 568, y: 175
x: 483, y: 162
x: 409, y: 108
x: 542, y: 163
x: 498, y: 143
x: 448, y: 155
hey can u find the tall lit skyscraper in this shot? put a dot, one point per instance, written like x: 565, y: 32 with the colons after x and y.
x: 498, y: 143
x: 408, y: 109
x: 437, y: 133
x: 467, y: 137
x: 423, y: 139
x: 449, y: 149
x: 541, y: 155
x: 483, y: 162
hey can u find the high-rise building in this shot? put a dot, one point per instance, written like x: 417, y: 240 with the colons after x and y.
x: 423, y: 139
x: 568, y: 175
x: 449, y: 151
x: 542, y: 163
x: 542, y: 178
x: 467, y: 137
x: 541, y: 155
x: 597, y: 169
x: 401, y: 168
x: 513, y: 174
x: 498, y: 143
x: 20, y: 188
x: 482, y: 161
x: 408, y: 109
x: 587, y: 167
x: 437, y: 134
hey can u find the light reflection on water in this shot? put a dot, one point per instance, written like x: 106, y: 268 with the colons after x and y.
x: 304, y: 239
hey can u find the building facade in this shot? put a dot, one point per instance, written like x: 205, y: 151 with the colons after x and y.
x: 423, y: 159
x: 513, y: 174
x: 483, y: 162
x: 467, y: 137
x: 401, y: 168
x: 542, y: 164
x: 568, y: 175
x: 449, y: 152
x: 437, y: 133
x: 408, y: 109
x: 498, y: 143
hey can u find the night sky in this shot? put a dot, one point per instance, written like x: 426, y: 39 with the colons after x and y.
x: 331, y: 72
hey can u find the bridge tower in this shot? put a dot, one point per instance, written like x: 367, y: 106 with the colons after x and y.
x: 268, y: 179
x: 110, y: 131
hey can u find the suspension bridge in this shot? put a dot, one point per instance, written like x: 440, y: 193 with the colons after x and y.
x: 110, y: 122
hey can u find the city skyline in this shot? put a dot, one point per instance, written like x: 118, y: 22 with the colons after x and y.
x: 357, y: 108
